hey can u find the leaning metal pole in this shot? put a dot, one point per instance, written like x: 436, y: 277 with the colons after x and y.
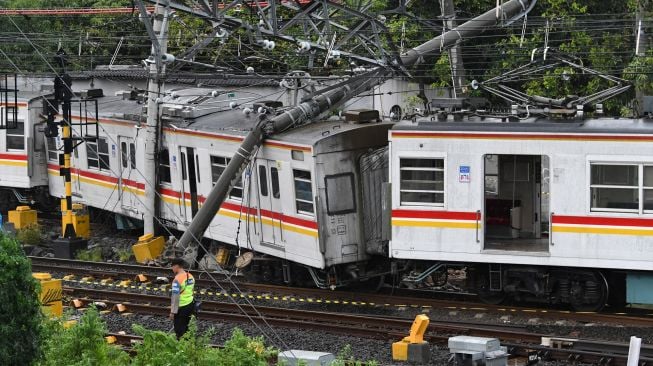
x: 319, y: 104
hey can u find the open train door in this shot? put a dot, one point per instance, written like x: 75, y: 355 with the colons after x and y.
x: 189, y: 198
x: 270, y: 209
x: 127, y: 183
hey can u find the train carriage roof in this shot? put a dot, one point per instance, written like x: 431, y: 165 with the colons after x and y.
x: 214, y: 115
x: 589, y: 126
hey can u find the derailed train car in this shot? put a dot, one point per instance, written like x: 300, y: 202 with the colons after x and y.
x: 555, y: 211
x: 22, y: 154
x: 299, y: 201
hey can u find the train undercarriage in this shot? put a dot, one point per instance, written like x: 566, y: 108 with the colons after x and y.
x: 581, y: 289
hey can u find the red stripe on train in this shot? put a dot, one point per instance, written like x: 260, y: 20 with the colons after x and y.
x: 602, y: 221
x: 441, y: 215
x: 13, y: 157
x: 102, y: 177
x: 525, y: 136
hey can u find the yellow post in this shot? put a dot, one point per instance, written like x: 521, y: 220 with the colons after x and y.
x: 413, y: 348
x: 50, y: 294
x: 67, y: 200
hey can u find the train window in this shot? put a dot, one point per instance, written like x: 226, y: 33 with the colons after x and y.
x: 197, y: 168
x: 123, y: 154
x: 132, y: 155
x: 16, y: 136
x: 53, y: 153
x: 648, y: 189
x: 421, y: 182
x: 164, y: 166
x: 97, y: 154
x: 184, y: 176
x: 340, y: 194
x: 303, y: 191
x: 297, y: 155
x: 263, y: 180
x: 274, y: 179
x: 615, y: 188
x: 218, y: 165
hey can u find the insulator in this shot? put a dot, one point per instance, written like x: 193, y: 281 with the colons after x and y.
x: 214, y: 93
x: 304, y: 46
x: 250, y: 70
x: 167, y: 58
x: 233, y: 105
x: 247, y: 111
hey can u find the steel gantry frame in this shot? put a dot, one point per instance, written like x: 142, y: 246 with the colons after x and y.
x: 367, y: 40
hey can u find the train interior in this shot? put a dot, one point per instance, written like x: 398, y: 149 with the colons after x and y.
x: 516, y: 203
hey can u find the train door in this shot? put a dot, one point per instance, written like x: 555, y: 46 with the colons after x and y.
x: 516, y: 202
x: 128, y: 173
x: 188, y: 192
x: 270, y: 202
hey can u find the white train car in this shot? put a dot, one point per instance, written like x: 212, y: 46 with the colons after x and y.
x: 299, y: 201
x: 553, y: 211
x: 22, y: 155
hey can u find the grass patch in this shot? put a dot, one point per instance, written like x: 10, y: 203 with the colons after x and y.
x: 90, y: 255
x: 30, y: 235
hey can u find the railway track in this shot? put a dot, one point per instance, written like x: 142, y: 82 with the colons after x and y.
x: 519, y: 341
x: 220, y: 287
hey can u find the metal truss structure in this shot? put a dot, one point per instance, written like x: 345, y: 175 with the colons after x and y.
x: 326, y: 26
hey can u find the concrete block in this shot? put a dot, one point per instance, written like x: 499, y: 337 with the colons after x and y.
x: 419, y: 353
x: 308, y: 358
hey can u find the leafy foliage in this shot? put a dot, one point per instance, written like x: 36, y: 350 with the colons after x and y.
x: 90, y: 255
x: 160, y: 349
x: 82, y: 344
x: 20, y: 312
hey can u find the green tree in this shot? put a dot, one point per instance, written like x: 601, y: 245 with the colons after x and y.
x: 20, y: 312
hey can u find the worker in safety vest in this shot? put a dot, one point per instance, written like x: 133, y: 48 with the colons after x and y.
x: 182, y: 302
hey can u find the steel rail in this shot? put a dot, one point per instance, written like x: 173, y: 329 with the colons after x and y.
x: 339, y: 297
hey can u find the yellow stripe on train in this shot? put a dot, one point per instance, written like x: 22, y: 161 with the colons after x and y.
x: 432, y: 223
x: 602, y: 230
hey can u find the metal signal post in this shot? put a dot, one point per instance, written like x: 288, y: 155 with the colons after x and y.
x: 69, y: 243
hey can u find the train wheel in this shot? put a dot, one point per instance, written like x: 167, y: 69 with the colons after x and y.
x: 589, y: 292
x: 488, y: 296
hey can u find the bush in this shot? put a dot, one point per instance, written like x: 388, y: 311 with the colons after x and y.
x: 161, y: 349
x: 30, y: 235
x: 82, y: 344
x: 346, y: 358
x: 124, y: 255
x: 90, y: 255
x: 20, y: 311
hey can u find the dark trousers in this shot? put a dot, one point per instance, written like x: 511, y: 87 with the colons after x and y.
x: 182, y: 318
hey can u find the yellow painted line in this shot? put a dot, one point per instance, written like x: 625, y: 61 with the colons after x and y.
x: 600, y: 230
x: 443, y: 224
x: 13, y: 163
x: 270, y: 222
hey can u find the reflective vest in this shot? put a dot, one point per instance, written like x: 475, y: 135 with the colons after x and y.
x: 186, y: 284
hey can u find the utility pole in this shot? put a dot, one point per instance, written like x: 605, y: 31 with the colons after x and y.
x: 641, y: 47
x: 455, y: 52
x: 159, y: 35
